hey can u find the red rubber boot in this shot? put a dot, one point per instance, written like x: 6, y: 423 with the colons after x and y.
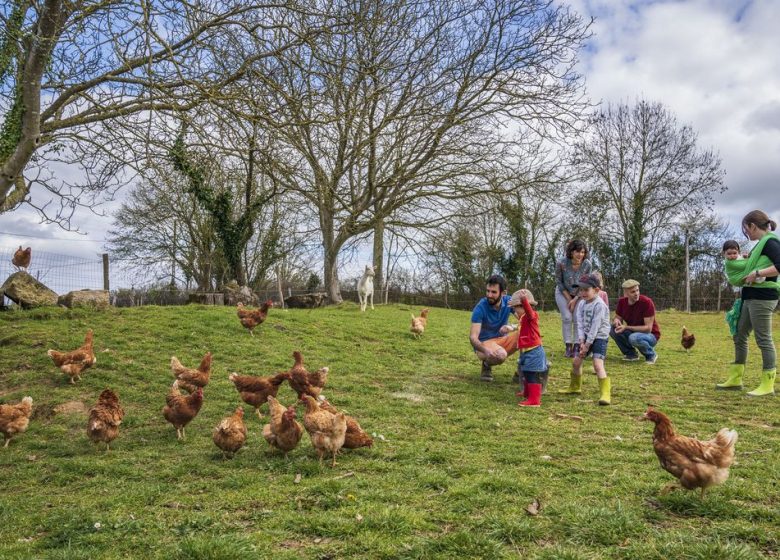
x: 534, y: 395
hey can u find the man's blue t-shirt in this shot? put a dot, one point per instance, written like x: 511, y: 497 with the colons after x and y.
x: 491, y: 319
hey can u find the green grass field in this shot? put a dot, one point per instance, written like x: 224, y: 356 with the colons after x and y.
x: 458, y: 465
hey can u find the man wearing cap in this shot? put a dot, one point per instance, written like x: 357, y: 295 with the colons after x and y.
x: 634, y: 328
x: 492, y: 338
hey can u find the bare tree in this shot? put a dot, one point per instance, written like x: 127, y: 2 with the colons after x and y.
x: 406, y: 103
x: 647, y: 170
x: 76, y: 76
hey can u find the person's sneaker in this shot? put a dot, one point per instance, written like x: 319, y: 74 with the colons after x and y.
x: 487, y: 372
x: 630, y: 358
x: 651, y: 361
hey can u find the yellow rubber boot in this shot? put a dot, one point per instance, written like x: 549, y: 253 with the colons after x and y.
x: 575, y: 385
x: 767, y: 386
x: 734, y: 381
x: 605, y: 387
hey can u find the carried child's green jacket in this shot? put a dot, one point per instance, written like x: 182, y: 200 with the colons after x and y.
x: 737, y: 270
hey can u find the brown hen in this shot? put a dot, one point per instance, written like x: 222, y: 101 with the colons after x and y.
x: 304, y: 382
x: 255, y: 390
x: 190, y: 379
x: 696, y: 464
x: 356, y: 436
x: 251, y: 318
x: 14, y: 418
x: 104, y: 418
x: 75, y: 362
x: 22, y: 258
x: 688, y: 339
x: 326, y: 430
x: 181, y: 409
x: 283, y: 432
x: 419, y: 323
x: 230, y: 434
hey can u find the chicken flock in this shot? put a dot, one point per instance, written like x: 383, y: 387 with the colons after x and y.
x: 329, y: 429
x: 696, y: 464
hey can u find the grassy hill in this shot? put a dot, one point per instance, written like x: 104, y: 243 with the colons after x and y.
x: 455, y: 467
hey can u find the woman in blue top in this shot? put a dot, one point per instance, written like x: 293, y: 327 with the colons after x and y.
x: 567, y: 271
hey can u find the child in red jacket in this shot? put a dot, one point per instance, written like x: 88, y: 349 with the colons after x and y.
x: 533, y: 360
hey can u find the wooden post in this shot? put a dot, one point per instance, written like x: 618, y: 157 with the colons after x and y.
x: 687, y: 275
x: 105, y: 272
x: 279, y: 287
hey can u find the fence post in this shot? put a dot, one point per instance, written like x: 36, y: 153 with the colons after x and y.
x: 687, y: 275
x: 105, y: 272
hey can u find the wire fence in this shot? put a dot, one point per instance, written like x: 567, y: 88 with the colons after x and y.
x: 60, y: 273
x: 63, y: 273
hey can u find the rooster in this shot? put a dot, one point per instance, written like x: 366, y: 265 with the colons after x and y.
x: 251, y: 318
x: 282, y: 432
x: 696, y: 464
x: 255, y: 390
x: 688, y: 339
x: 230, y: 434
x: 14, y: 418
x: 180, y: 409
x: 419, y: 323
x: 190, y: 379
x: 304, y: 382
x: 22, y: 258
x: 75, y: 362
x: 104, y: 418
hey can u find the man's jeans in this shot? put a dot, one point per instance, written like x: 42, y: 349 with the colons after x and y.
x: 629, y: 342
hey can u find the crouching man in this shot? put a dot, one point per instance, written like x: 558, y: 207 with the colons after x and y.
x: 634, y: 328
x: 493, y: 339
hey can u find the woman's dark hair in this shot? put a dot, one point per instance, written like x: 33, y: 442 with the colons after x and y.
x: 730, y: 244
x: 759, y: 219
x: 497, y: 279
x: 576, y: 245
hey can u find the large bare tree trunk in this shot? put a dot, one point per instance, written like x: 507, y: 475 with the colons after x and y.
x: 331, y: 270
x: 379, y: 256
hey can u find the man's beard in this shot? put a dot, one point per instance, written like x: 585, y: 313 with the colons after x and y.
x: 493, y: 301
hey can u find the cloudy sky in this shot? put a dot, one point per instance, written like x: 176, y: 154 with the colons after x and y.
x: 713, y: 63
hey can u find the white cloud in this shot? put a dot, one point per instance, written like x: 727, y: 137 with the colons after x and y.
x: 713, y: 63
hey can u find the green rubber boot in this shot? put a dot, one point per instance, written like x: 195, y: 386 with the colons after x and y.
x: 734, y: 382
x: 575, y: 386
x: 767, y: 386
x: 605, y: 387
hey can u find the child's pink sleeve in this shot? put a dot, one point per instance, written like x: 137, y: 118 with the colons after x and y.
x: 604, y: 297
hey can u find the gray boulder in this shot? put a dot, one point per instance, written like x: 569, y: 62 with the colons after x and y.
x: 234, y: 294
x: 306, y: 301
x: 26, y: 291
x: 96, y: 299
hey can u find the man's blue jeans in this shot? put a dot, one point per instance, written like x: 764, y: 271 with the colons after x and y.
x: 629, y: 342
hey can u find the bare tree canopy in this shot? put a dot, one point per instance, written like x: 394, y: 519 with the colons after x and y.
x: 408, y: 101
x: 644, y: 171
x: 71, y: 71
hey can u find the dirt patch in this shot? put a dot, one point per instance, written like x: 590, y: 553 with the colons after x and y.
x: 71, y: 407
x: 414, y: 397
x: 42, y: 411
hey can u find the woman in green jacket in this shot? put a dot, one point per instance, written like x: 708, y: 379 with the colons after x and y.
x: 759, y: 300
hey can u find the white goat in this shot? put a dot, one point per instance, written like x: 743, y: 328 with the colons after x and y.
x: 366, y: 288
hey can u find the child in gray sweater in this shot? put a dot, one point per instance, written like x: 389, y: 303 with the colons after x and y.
x: 592, y: 337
